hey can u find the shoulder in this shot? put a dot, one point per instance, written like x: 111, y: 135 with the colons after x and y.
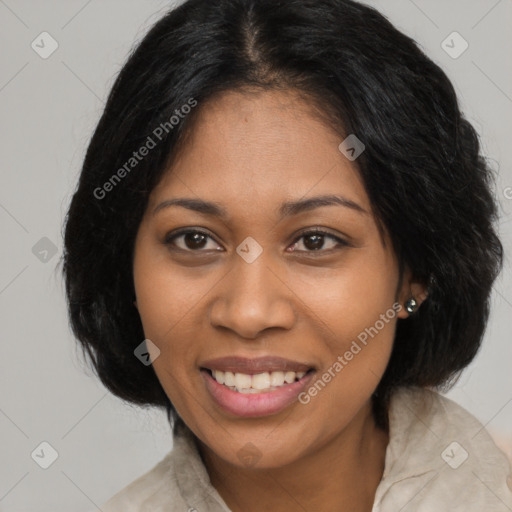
x: 157, y: 483
x: 439, y: 455
x: 179, y: 482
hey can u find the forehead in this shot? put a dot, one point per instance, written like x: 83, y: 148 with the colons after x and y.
x: 263, y: 148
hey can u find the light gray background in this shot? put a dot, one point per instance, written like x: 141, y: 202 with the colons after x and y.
x: 49, y: 108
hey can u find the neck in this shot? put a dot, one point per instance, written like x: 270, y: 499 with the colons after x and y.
x: 341, y: 473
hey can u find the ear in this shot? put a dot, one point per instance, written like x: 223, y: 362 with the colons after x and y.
x: 411, y: 288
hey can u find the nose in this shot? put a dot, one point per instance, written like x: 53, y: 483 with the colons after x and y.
x: 252, y: 297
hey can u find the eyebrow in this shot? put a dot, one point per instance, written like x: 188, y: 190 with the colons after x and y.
x: 287, y: 209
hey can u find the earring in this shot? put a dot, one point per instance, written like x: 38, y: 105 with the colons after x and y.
x: 410, y: 305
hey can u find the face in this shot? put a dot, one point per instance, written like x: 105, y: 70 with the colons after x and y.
x: 273, y: 312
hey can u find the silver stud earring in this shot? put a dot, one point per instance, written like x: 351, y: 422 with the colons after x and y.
x: 411, y: 305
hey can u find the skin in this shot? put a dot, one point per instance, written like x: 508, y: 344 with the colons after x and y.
x: 250, y: 153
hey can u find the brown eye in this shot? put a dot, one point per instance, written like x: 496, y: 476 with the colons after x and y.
x: 316, y: 240
x: 191, y: 240
x: 194, y: 240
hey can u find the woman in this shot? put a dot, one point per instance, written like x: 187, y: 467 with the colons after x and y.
x: 283, y: 234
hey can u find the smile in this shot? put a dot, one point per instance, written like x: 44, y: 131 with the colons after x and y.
x: 255, y: 387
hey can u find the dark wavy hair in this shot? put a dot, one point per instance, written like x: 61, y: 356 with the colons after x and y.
x: 423, y: 171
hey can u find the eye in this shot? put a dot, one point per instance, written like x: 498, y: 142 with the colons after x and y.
x: 192, y: 240
x: 315, y: 241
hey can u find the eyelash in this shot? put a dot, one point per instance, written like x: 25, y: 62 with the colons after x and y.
x: 169, y: 239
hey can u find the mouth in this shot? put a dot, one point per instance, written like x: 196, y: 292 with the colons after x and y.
x: 255, y: 387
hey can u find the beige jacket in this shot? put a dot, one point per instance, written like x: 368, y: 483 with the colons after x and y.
x: 439, y: 458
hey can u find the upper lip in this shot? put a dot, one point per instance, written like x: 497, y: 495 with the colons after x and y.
x: 256, y: 365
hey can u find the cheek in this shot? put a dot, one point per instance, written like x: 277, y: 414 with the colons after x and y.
x: 164, y: 295
x: 355, y: 353
x: 352, y: 297
x: 355, y: 307
x: 162, y: 303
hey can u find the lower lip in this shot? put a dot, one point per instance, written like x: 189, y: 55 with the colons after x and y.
x: 250, y: 405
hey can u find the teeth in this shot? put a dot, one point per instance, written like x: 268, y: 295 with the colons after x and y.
x: 219, y: 376
x: 276, y: 378
x: 260, y: 381
x: 247, y: 391
x: 289, y: 377
x: 244, y: 383
x: 229, y: 378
